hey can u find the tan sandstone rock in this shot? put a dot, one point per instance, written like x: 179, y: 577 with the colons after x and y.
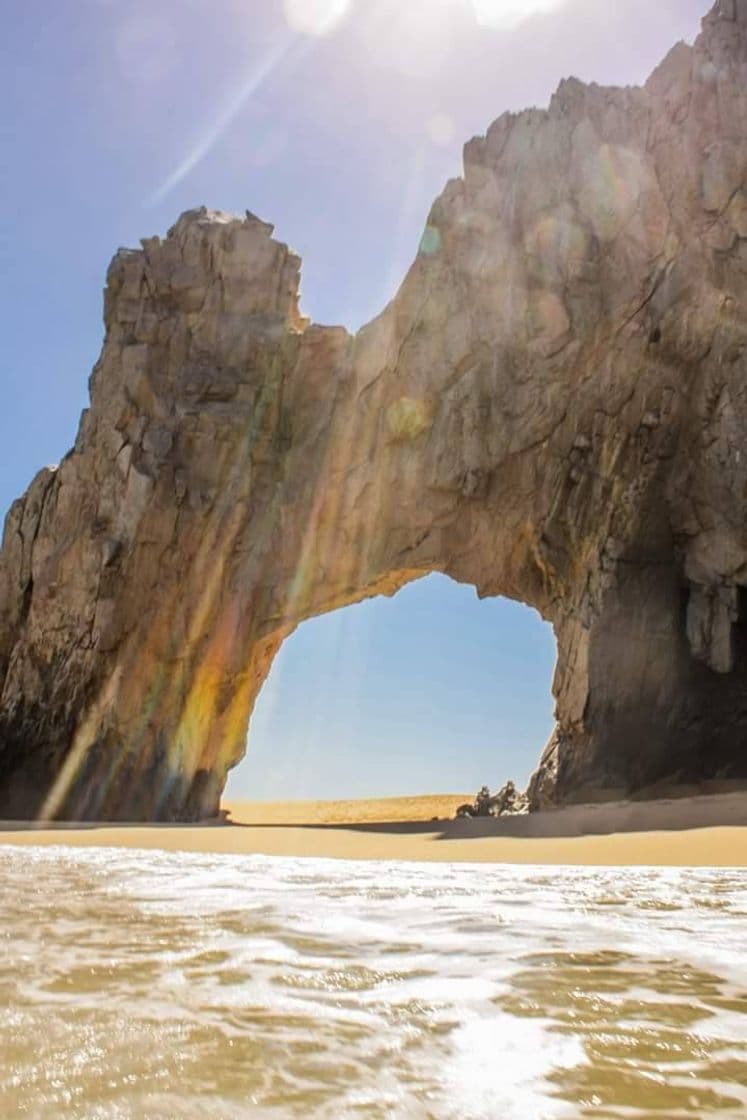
x: 553, y: 408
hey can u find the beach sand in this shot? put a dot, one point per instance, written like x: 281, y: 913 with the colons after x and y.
x: 697, y: 831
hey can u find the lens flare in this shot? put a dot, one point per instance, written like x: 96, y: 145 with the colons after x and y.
x: 430, y: 242
x: 441, y: 129
x: 314, y: 17
x: 506, y: 14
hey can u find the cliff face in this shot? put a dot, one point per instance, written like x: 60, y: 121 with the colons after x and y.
x: 553, y: 408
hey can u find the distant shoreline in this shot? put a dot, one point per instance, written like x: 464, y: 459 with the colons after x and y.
x: 696, y: 831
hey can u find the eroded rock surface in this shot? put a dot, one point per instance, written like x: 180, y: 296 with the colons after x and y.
x: 553, y: 408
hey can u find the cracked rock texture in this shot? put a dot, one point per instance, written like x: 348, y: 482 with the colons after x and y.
x: 553, y: 408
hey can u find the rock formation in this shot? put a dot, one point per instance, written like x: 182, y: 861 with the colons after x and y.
x: 553, y: 408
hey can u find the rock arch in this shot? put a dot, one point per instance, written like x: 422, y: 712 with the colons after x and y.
x: 553, y: 408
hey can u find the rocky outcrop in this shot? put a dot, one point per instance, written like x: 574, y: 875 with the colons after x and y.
x: 553, y: 408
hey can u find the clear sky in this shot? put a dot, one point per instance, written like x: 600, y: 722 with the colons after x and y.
x: 339, y: 121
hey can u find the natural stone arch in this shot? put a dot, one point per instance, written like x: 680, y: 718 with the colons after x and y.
x: 551, y: 409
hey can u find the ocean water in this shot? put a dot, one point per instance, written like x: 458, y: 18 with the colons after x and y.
x: 154, y: 985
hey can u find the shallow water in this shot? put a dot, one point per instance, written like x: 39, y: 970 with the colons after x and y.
x: 150, y: 985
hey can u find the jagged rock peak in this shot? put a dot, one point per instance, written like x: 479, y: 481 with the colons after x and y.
x: 209, y: 260
x: 731, y: 11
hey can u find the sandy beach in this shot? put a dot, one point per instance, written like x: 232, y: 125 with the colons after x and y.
x: 697, y: 831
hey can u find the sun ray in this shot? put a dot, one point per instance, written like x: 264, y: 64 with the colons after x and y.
x: 286, y: 50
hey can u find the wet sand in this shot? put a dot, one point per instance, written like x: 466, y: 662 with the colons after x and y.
x: 697, y: 831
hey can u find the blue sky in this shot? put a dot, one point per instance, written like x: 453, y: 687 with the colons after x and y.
x: 118, y: 116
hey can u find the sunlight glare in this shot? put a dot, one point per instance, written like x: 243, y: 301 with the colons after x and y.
x: 314, y: 17
x: 507, y: 14
x: 413, y: 37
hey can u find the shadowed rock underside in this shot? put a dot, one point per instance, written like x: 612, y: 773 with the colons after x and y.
x: 553, y: 408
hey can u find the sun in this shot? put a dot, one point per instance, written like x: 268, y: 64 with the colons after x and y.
x: 320, y: 17
x: 506, y: 14
x: 315, y: 17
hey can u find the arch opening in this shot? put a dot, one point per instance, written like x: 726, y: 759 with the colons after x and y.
x: 431, y: 691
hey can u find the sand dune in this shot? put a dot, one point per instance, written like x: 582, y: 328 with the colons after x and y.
x: 694, y: 831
